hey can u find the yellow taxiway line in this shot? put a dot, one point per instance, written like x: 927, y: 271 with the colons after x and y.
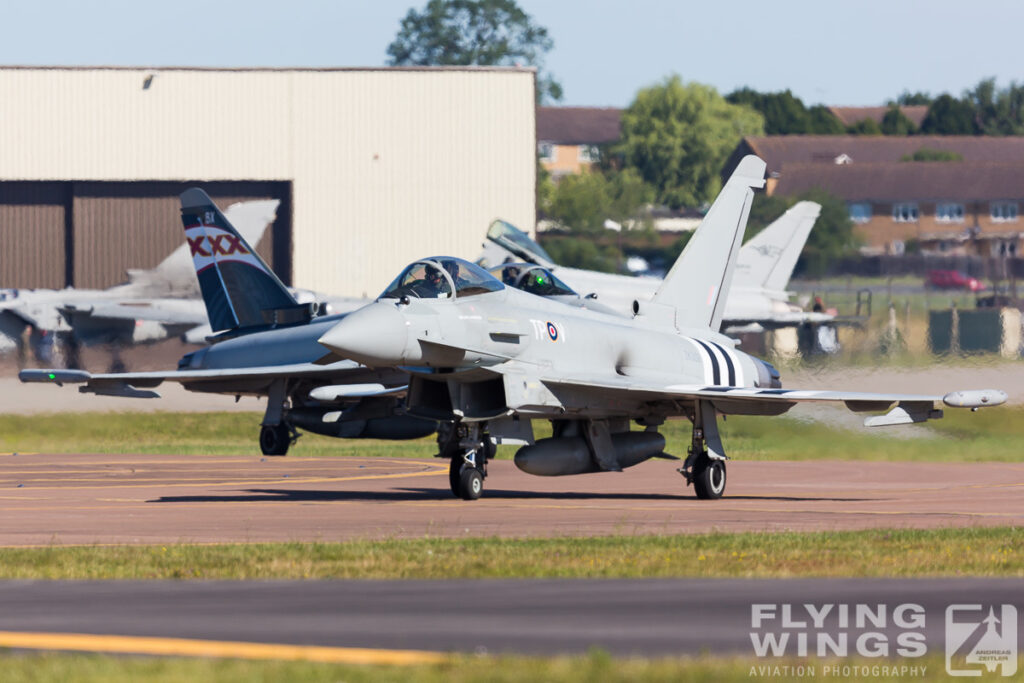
x: 183, y: 647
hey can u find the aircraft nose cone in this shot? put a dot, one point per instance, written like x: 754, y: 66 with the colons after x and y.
x: 374, y: 335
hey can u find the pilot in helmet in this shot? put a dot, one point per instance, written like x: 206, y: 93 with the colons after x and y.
x: 434, y: 280
x: 510, y: 275
x: 453, y: 269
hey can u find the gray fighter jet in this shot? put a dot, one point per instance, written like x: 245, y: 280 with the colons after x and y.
x: 265, y: 345
x: 758, y: 299
x: 487, y: 359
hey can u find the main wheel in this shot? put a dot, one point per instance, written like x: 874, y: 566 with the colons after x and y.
x: 709, y: 478
x: 275, y: 439
x: 471, y: 483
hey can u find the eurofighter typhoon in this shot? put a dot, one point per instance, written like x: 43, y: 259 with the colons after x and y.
x: 487, y: 360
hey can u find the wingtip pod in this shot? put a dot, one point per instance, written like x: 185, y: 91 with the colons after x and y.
x: 978, y: 398
x: 55, y: 376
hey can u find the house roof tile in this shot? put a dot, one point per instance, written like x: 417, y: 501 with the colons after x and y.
x: 908, y: 181
x: 578, y: 125
x: 780, y: 150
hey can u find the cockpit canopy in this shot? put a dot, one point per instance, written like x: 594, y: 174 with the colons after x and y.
x: 438, y: 277
x: 517, y: 242
x: 531, y: 278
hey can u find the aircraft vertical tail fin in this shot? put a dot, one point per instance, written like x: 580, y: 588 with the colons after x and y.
x: 698, y: 284
x: 239, y: 288
x: 768, y: 259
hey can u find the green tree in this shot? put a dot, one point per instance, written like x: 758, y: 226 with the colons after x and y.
x: 545, y: 190
x: 864, y: 127
x: 784, y: 114
x: 581, y: 203
x: 929, y: 154
x: 895, y: 122
x: 997, y: 112
x: 949, y: 116
x: 677, y: 136
x: 474, y: 32
x: 821, y: 121
x: 581, y: 252
x: 907, y: 98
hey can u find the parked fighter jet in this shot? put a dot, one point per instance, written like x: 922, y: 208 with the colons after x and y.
x: 758, y: 298
x: 488, y: 359
x: 153, y: 305
x: 265, y: 346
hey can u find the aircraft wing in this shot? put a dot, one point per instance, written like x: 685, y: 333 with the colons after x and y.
x: 754, y: 401
x: 134, y: 384
x: 777, y: 320
x: 139, y: 310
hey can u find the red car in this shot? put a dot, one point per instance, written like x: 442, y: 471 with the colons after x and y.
x: 953, y: 279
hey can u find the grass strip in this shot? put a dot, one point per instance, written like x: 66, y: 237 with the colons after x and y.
x: 995, y: 551
x: 595, y: 666
x: 990, y: 435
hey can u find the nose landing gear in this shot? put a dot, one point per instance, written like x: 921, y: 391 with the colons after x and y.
x: 468, y: 447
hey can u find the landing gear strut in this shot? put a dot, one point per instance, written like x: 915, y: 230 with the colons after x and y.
x: 468, y: 447
x: 704, y: 467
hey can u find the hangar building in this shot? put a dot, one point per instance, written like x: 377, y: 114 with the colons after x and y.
x: 374, y: 167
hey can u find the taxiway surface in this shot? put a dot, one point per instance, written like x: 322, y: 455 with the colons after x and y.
x: 650, y: 617
x: 84, y: 499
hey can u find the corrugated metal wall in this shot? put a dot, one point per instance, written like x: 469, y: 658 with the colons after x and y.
x: 32, y: 249
x: 118, y: 226
x: 111, y: 227
x: 386, y: 165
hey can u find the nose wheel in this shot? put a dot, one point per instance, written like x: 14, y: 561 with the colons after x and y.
x: 466, y: 474
x: 468, y: 466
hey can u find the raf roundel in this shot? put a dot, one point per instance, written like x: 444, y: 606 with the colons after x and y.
x: 552, y: 332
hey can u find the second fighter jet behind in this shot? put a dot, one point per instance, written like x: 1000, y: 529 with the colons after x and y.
x: 487, y: 360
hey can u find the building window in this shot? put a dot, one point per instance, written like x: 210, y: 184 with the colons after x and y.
x: 860, y: 212
x: 949, y: 213
x: 546, y: 151
x: 588, y: 154
x: 904, y: 213
x: 1003, y: 212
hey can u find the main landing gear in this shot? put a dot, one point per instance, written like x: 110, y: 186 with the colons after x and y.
x: 277, y: 434
x: 276, y: 439
x: 468, y: 448
x: 704, y: 467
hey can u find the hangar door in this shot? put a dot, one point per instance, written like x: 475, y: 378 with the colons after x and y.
x: 87, y: 234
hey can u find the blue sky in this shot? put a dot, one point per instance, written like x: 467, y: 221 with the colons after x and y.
x: 852, y: 53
